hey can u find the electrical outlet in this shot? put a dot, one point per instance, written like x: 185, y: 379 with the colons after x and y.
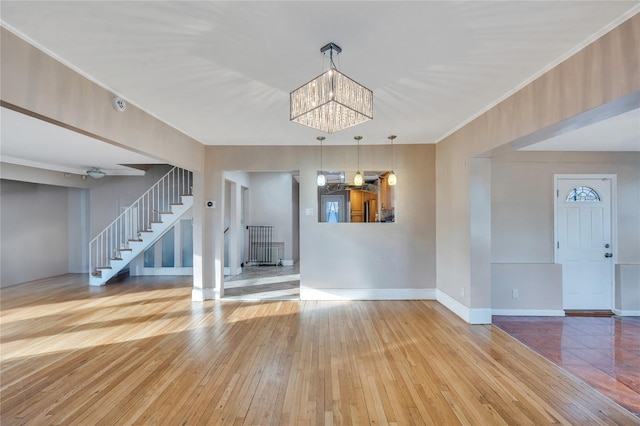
x: 462, y: 291
x: 514, y: 293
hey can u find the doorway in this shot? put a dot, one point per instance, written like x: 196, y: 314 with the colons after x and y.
x: 585, y: 243
x: 265, y: 267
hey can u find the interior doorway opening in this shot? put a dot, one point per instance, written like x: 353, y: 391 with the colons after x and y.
x: 261, y: 238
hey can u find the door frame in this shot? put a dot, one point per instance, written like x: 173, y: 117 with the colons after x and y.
x: 613, y: 178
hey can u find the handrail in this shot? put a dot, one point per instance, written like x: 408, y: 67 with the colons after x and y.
x: 137, y: 218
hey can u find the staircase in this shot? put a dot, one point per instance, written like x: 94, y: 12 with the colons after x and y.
x: 140, y: 225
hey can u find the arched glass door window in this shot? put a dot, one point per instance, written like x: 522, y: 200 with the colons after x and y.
x: 582, y: 194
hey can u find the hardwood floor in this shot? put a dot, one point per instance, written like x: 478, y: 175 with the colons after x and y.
x: 140, y: 352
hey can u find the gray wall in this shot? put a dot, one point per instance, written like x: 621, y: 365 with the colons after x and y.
x: 54, y: 224
x: 34, y: 231
x: 272, y: 204
x: 112, y: 194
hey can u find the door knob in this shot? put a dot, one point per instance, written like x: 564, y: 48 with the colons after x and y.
x: 608, y: 255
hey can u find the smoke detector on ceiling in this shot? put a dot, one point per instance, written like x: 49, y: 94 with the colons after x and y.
x: 118, y: 104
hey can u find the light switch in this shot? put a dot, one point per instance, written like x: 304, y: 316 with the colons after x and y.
x: 309, y: 211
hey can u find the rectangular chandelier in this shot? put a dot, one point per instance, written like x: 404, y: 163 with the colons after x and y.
x: 331, y: 102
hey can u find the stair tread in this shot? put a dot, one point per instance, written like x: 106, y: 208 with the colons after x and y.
x: 125, y: 249
x: 116, y: 258
x: 104, y: 267
x: 138, y: 240
x: 165, y: 213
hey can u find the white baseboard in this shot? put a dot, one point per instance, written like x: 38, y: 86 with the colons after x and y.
x: 529, y: 312
x: 202, y: 294
x: 227, y: 271
x: 472, y: 316
x: 626, y: 313
x: 367, y: 294
x: 165, y: 271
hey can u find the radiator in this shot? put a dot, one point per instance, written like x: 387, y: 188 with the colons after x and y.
x: 262, y: 249
x: 268, y: 255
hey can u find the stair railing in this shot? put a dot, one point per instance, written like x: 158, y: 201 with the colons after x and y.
x: 138, y: 217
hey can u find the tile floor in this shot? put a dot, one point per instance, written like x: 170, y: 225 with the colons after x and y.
x: 604, y: 352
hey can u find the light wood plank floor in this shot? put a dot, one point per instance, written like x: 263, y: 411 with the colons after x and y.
x: 140, y: 352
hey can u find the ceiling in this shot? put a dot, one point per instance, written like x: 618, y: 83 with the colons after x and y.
x: 222, y: 72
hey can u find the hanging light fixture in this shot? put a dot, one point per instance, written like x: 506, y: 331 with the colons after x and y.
x: 332, y: 101
x: 96, y: 173
x: 322, y: 179
x: 358, y: 180
x: 391, y: 178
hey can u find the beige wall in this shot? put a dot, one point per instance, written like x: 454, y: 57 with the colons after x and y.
x: 627, y: 292
x: 522, y: 225
x: 538, y: 287
x: 522, y: 202
x: 602, y: 72
x: 343, y: 256
x: 439, y: 195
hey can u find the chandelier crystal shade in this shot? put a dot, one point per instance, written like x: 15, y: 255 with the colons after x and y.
x: 332, y: 101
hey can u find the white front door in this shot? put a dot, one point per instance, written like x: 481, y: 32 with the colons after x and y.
x: 584, y: 245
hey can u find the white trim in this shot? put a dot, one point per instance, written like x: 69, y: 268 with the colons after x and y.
x: 202, y: 294
x: 623, y: 313
x: 472, y: 316
x: 287, y: 262
x: 614, y: 219
x: 529, y: 312
x: 307, y: 293
x: 227, y: 271
x: 165, y: 271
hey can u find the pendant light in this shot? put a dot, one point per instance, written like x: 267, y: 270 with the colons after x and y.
x: 322, y: 179
x: 332, y: 101
x: 358, y: 180
x: 96, y: 173
x: 391, y: 178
